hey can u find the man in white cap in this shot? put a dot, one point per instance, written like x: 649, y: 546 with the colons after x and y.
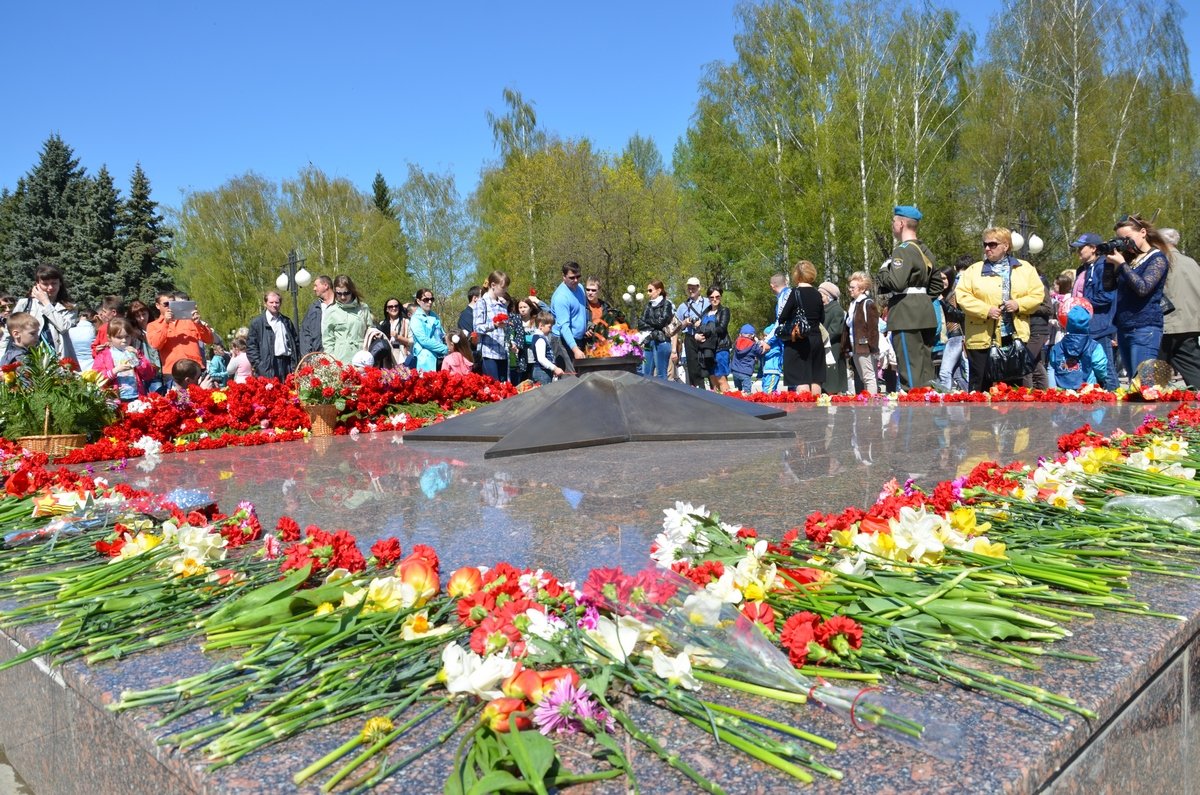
x: 907, y: 275
x: 690, y: 312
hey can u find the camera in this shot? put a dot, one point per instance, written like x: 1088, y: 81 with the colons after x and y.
x: 1122, y: 245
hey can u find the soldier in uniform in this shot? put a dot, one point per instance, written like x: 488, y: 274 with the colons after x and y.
x: 907, y: 275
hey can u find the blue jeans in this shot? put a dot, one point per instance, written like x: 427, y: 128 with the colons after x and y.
x: 1111, y: 382
x: 658, y: 359
x: 496, y: 368
x: 953, y: 373
x: 743, y: 382
x: 1138, y: 345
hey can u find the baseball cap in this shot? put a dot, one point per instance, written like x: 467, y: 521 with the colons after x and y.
x: 747, y: 329
x: 1087, y: 239
x: 693, y: 282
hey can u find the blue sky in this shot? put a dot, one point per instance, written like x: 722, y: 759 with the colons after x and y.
x: 223, y: 88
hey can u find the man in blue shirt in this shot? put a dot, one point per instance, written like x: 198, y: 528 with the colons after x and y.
x: 1089, y: 284
x: 690, y: 312
x: 569, y: 306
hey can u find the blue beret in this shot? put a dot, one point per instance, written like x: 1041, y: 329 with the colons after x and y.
x: 907, y: 211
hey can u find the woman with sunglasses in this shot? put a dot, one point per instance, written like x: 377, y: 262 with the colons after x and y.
x: 394, y: 326
x: 996, y: 296
x: 428, y: 336
x: 1139, y: 271
x: 344, y: 327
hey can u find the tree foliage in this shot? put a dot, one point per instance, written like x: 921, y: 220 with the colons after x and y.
x: 103, y: 244
x: 232, y: 242
x: 1074, y: 112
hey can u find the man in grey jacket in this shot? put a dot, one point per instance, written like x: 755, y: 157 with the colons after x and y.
x: 310, y: 327
x: 1181, y: 327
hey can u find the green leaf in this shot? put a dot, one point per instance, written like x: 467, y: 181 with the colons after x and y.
x: 496, y: 781
x: 534, y: 755
x: 244, y: 607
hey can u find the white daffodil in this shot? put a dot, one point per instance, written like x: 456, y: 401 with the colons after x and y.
x: 618, y: 638
x: 676, y: 670
x: 465, y: 671
x: 390, y: 593
x: 855, y: 566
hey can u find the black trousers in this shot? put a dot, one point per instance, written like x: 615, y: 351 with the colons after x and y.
x: 693, y: 361
x: 1182, y: 351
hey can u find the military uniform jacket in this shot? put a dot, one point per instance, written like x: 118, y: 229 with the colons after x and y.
x: 906, y: 276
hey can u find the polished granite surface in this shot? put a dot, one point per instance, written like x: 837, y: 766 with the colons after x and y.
x: 573, y: 510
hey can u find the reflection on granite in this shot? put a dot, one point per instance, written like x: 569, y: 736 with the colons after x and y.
x: 573, y: 510
x: 569, y: 511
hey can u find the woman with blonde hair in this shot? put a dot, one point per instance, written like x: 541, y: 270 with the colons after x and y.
x: 803, y: 356
x: 997, y: 296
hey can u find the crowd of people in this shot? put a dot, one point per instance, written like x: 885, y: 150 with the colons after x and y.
x: 988, y: 319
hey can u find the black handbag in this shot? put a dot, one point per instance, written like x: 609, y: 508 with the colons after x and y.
x: 1008, y: 360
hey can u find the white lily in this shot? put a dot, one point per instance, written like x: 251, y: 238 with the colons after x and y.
x: 466, y: 672
x: 676, y: 670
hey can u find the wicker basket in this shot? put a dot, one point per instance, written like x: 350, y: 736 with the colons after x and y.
x: 52, y: 445
x: 55, y: 445
x: 323, y: 417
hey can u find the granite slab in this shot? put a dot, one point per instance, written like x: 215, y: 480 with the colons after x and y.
x: 572, y: 510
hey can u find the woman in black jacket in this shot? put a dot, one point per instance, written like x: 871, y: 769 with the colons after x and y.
x: 804, y: 358
x: 656, y: 343
x: 712, y: 341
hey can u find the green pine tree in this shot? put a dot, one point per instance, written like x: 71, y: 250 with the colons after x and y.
x: 42, y: 224
x: 143, y: 243
x: 382, y: 196
x: 89, y: 257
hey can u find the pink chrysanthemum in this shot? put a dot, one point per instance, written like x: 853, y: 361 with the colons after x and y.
x: 565, y: 708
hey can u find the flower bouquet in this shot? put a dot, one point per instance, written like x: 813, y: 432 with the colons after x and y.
x: 47, y: 406
x: 323, y: 386
x: 613, y: 341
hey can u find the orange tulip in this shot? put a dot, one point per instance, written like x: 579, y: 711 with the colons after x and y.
x: 464, y: 582
x: 502, y: 714
x: 421, y: 577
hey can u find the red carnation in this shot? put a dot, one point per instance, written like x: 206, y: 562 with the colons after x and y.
x: 796, y: 635
x: 840, y: 635
x: 288, y: 529
x: 386, y: 551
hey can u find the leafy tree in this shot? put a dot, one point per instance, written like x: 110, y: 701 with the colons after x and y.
x: 437, y: 229
x: 232, y: 242
x: 643, y: 155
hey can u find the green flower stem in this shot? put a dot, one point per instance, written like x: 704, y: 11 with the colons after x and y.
x: 384, y: 771
x: 380, y: 744
x: 746, y: 687
x: 773, y: 724
x: 774, y: 760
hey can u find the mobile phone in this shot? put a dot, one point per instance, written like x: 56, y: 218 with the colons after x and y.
x: 182, y: 310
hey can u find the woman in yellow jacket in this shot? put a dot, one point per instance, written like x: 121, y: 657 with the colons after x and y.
x: 997, y: 296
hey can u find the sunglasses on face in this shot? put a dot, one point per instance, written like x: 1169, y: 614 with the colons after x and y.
x: 990, y: 244
x: 426, y: 300
x: 393, y: 306
x: 341, y: 292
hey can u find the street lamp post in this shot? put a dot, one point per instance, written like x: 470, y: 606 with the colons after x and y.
x: 292, y: 280
x: 1025, y: 242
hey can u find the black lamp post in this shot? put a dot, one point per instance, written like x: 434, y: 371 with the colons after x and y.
x: 292, y: 280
